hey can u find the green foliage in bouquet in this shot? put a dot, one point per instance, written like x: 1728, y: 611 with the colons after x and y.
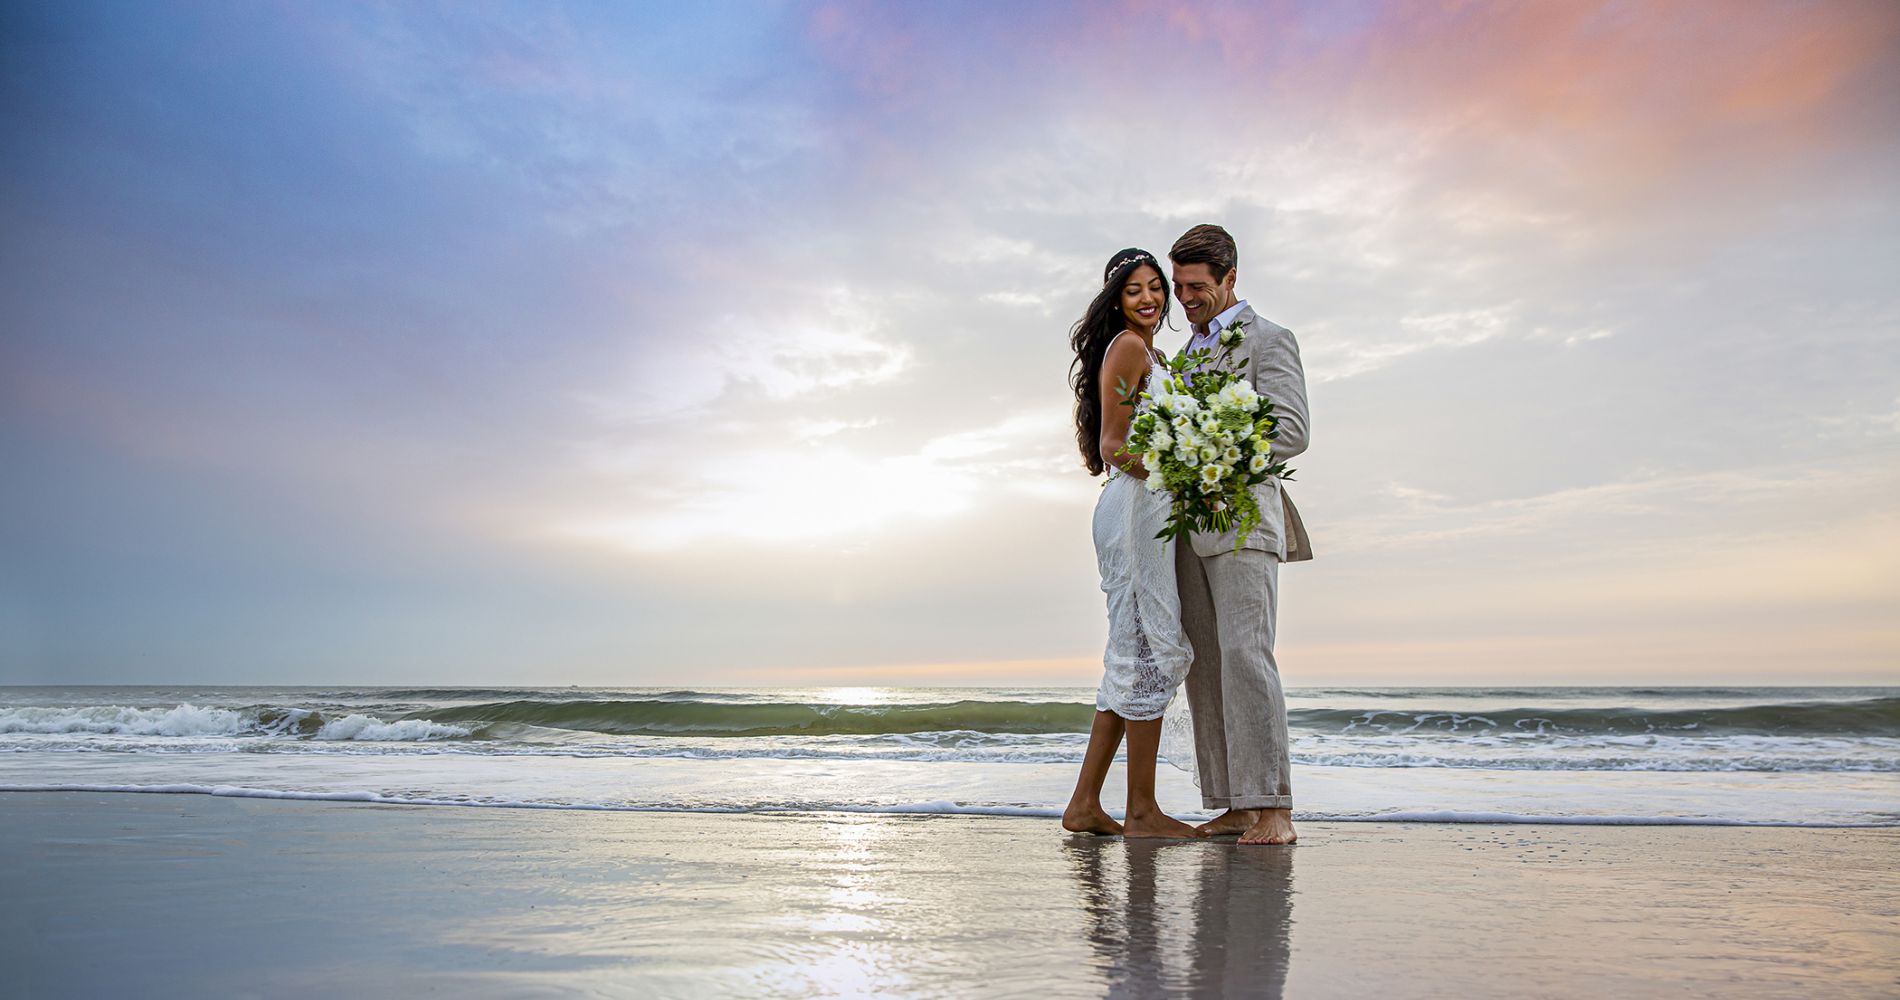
x: 1206, y: 438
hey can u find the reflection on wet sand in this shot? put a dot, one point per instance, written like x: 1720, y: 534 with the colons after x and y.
x: 108, y: 895
x: 1200, y: 919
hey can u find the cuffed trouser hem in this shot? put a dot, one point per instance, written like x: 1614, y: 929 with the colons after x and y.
x: 1249, y: 802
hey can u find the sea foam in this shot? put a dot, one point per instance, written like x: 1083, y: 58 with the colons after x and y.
x: 929, y: 808
x: 187, y: 720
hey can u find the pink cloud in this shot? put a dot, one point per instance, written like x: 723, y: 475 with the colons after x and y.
x: 1600, y: 103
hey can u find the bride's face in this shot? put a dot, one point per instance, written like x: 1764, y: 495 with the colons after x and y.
x: 1143, y: 295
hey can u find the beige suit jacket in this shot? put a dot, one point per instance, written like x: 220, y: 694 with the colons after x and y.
x: 1271, y: 359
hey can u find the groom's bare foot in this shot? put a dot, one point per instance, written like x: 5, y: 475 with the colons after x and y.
x: 1083, y: 819
x: 1231, y: 822
x: 1275, y: 827
x: 1158, y: 824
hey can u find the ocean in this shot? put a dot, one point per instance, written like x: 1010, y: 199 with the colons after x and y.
x: 1825, y: 756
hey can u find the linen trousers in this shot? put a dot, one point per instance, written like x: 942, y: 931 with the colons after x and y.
x: 1228, y: 602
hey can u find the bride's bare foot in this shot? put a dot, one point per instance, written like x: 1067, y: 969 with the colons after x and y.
x: 1275, y: 827
x: 1158, y: 824
x: 1231, y: 822
x: 1085, y: 819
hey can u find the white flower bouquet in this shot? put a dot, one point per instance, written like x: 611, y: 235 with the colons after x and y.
x: 1206, y: 438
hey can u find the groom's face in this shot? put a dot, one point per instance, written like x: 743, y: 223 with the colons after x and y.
x: 1201, y: 296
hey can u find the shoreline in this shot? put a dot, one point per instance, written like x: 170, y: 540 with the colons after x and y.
x: 1449, y: 817
x: 192, y: 894
x: 1611, y: 756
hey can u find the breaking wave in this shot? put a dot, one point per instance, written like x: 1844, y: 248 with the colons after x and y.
x: 194, y: 720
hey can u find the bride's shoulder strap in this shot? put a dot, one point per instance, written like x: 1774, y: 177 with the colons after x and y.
x: 1112, y: 341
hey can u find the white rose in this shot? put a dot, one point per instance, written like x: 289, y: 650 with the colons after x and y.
x: 1151, y: 460
x: 1259, y: 464
x: 1181, y: 422
x: 1210, y: 474
x: 1230, y: 455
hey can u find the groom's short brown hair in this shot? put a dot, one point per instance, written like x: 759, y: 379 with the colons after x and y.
x: 1206, y: 244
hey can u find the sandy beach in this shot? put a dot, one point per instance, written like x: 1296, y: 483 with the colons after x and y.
x: 194, y: 895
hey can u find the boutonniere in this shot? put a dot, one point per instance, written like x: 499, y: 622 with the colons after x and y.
x: 1234, y: 335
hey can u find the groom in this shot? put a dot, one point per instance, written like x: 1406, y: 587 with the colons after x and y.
x: 1228, y: 597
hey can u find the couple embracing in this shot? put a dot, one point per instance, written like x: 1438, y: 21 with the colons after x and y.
x: 1194, y: 609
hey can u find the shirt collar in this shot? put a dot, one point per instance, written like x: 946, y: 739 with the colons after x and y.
x: 1221, y: 321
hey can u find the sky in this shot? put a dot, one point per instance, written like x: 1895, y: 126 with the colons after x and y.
x: 726, y: 344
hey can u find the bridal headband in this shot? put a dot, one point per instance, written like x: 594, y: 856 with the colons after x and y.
x: 1127, y: 257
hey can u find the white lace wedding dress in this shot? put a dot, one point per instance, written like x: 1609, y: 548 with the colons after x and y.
x: 1148, y: 653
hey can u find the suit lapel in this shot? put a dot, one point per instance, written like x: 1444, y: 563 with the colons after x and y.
x: 1242, y: 360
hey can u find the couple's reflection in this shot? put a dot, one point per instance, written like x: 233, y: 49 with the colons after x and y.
x: 1196, y: 919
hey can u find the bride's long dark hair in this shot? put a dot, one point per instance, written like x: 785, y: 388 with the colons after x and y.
x: 1090, y: 337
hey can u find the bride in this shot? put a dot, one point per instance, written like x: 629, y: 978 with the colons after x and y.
x: 1148, y: 653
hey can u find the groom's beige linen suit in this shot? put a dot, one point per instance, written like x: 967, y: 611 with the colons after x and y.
x: 1228, y: 601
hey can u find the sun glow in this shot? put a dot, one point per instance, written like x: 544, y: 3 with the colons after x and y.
x: 784, y: 498
x: 855, y: 696
x: 814, y: 490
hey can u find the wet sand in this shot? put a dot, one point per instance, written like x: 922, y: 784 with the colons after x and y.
x: 191, y: 895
